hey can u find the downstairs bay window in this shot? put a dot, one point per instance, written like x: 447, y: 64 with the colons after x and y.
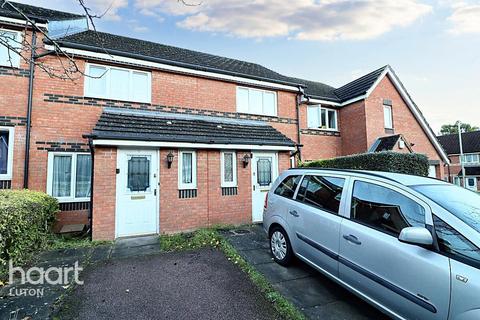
x: 69, y: 176
x: 322, y: 118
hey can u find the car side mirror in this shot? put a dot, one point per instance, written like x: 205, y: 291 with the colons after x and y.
x: 416, y: 235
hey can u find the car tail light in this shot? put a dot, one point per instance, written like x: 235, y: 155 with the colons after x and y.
x: 265, y: 205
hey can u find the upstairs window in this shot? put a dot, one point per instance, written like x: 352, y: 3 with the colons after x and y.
x: 8, y: 57
x: 69, y: 176
x: 256, y: 101
x: 6, y: 152
x: 387, y: 117
x: 322, y: 118
x: 471, y: 158
x: 117, y: 83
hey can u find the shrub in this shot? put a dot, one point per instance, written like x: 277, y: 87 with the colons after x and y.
x: 409, y: 163
x: 25, y: 221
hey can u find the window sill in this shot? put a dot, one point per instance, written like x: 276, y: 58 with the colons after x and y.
x: 321, y: 129
x: 87, y: 96
x: 5, y: 177
x: 9, y: 66
x: 66, y: 200
x: 258, y: 114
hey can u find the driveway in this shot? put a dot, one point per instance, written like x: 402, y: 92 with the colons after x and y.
x: 317, y: 296
x: 200, y: 284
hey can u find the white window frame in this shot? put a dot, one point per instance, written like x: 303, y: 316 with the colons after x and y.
x: 72, y: 197
x: 233, y: 183
x: 320, y: 108
x: 15, y: 63
x: 108, y: 94
x: 387, y: 125
x: 471, y: 162
x: 249, y: 111
x: 193, y: 184
x: 11, y: 136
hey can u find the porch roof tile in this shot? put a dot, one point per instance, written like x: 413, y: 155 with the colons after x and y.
x: 164, y: 127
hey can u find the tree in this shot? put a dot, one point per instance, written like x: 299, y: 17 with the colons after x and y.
x: 453, y: 128
x: 31, y: 52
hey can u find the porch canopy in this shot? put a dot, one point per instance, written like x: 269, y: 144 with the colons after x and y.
x: 117, y: 127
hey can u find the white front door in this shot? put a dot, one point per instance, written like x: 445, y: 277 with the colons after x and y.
x: 471, y: 183
x: 264, y: 173
x: 137, y: 192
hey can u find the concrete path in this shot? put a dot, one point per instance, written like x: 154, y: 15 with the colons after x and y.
x: 317, y: 296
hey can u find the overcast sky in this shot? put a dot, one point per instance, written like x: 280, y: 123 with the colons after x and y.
x: 434, y: 46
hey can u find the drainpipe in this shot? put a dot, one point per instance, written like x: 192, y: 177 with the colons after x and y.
x: 29, y: 110
x: 92, y: 175
x: 297, y: 110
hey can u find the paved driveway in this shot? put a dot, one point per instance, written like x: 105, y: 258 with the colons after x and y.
x: 317, y: 296
x: 201, y: 284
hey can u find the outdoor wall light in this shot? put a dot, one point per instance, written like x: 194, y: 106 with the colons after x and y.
x: 170, y: 159
x: 246, y: 160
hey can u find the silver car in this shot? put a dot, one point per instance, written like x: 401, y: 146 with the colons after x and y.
x: 408, y: 245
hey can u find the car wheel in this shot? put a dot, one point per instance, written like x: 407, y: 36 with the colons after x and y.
x: 280, y: 246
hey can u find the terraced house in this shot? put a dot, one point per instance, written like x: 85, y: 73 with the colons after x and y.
x: 159, y: 139
x: 471, y: 158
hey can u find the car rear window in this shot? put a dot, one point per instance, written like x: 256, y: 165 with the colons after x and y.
x: 322, y: 192
x: 288, y: 186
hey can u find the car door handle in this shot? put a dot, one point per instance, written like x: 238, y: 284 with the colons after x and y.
x: 293, y: 213
x: 351, y: 238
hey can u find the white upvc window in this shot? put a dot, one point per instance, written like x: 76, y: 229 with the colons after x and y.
x: 256, y: 101
x: 187, y: 170
x: 13, y: 39
x: 68, y: 177
x: 322, y: 118
x: 107, y: 82
x: 6, y: 152
x: 228, y: 169
x: 387, y: 117
x: 472, y: 158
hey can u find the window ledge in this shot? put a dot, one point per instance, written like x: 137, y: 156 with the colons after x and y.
x: 327, y: 130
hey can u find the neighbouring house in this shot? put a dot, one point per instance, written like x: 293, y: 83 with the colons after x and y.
x: 160, y: 139
x: 471, y: 158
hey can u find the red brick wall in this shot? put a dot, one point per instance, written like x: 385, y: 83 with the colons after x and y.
x: 353, y: 126
x: 104, y: 193
x: 404, y: 121
x: 209, y: 207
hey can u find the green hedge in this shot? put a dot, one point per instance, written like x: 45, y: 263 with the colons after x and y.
x: 409, y: 163
x: 25, y: 221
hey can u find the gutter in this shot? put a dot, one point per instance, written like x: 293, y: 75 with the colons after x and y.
x: 29, y: 110
x: 168, y: 62
x: 297, y: 115
x: 92, y: 175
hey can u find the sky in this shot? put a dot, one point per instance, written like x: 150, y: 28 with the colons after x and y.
x: 433, y: 46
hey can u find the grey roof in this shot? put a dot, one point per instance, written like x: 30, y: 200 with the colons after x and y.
x: 470, y: 142
x: 37, y: 14
x: 471, y: 171
x: 151, y: 126
x: 115, y: 44
x: 385, y: 143
x: 359, y: 86
x: 157, y: 52
x: 318, y: 90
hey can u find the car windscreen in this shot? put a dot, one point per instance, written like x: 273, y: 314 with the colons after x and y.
x: 462, y: 203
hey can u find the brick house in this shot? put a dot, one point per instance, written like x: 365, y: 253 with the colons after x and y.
x: 471, y: 158
x: 168, y: 139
